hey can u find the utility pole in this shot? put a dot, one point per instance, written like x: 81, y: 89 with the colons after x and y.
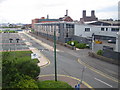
x: 55, y: 53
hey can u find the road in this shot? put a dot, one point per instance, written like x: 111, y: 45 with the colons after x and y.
x: 97, y: 74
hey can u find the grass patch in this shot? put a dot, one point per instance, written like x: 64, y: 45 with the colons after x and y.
x: 53, y: 84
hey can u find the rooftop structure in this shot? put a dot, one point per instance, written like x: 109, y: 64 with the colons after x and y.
x: 88, y: 18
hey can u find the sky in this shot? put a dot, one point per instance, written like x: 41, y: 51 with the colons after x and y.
x: 23, y: 11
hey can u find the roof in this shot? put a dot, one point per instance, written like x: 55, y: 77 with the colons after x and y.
x: 42, y: 20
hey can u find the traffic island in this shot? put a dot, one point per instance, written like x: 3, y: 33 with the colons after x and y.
x: 72, y: 81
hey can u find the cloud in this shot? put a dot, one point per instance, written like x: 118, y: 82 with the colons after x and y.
x: 25, y: 10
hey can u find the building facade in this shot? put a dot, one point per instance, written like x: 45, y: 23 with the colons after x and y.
x: 64, y: 30
x: 101, y: 32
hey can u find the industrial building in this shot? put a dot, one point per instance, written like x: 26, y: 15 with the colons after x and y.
x: 67, y: 29
x: 64, y: 30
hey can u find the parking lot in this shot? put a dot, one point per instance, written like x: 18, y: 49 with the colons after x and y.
x: 11, y: 42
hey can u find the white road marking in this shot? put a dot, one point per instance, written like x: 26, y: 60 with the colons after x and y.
x: 103, y: 82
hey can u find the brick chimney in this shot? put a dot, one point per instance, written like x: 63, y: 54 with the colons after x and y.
x: 66, y: 13
x: 93, y: 14
x: 84, y: 13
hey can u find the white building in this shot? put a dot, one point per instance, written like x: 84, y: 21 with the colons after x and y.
x: 103, y: 32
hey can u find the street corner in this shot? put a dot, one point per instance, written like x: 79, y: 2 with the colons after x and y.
x: 43, y: 62
x: 68, y: 79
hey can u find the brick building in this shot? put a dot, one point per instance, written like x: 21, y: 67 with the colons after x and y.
x: 45, y: 20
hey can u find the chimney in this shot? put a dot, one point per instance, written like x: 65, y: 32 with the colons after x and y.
x: 84, y: 13
x: 47, y: 16
x: 92, y: 13
x: 66, y: 13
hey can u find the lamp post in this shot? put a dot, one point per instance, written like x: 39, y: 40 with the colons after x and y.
x: 17, y: 40
x: 72, y: 43
x: 10, y: 42
x: 55, y: 54
x: 82, y: 75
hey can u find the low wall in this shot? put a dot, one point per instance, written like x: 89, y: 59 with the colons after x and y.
x: 104, y: 58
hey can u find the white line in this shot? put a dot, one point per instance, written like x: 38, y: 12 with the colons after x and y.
x: 103, y: 82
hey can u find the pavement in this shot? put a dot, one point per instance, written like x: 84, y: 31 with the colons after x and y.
x: 44, y: 62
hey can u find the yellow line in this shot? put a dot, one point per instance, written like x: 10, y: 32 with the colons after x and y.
x: 99, y: 72
x: 86, y: 84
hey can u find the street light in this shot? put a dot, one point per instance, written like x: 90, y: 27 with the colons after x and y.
x: 10, y: 42
x: 82, y: 75
x: 72, y: 43
x: 17, y: 42
x: 17, y: 39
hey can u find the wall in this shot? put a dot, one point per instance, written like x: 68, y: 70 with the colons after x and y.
x: 111, y: 54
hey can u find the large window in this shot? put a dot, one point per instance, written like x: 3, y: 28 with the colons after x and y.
x: 87, y: 29
x: 115, y: 29
x: 102, y: 29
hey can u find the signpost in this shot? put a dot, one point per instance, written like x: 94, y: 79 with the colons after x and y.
x: 77, y: 87
x: 34, y: 56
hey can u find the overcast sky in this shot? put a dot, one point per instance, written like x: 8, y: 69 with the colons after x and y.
x: 23, y: 11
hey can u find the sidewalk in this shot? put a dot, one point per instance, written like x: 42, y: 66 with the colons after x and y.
x: 43, y: 61
x: 68, y: 79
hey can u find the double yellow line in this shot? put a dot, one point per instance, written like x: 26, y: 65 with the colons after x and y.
x: 99, y: 72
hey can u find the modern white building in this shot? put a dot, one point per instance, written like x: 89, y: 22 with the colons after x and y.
x: 117, y: 49
x: 102, y: 32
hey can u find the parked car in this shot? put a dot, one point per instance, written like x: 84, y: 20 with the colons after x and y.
x: 98, y: 42
x: 111, y: 41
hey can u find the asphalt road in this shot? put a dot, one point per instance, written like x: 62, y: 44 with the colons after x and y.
x: 102, y: 76
x: 97, y: 74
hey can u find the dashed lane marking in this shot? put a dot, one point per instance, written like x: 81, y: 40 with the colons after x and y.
x: 103, y: 82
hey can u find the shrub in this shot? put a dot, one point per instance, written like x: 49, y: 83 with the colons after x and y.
x: 100, y: 52
x: 25, y: 82
x: 75, y: 42
x: 80, y: 45
x: 16, y: 66
x: 29, y: 68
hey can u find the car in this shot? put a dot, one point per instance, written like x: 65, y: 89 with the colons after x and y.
x: 111, y: 41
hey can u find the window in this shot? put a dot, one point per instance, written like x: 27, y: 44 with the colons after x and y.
x: 66, y: 34
x: 102, y: 29
x: 87, y: 29
x: 106, y: 29
x: 115, y: 29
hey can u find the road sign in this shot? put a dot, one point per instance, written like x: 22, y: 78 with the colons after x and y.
x: 34, y: 56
